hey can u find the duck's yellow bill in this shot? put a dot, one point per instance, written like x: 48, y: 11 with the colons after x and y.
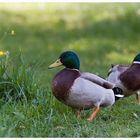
x: 57, y: 63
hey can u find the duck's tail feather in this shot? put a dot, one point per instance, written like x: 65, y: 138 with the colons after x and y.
x: 118, y: 93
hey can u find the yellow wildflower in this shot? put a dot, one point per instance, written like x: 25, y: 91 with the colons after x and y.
x: 1, y: 53
x: 4, y: 53
x: 12, y: 32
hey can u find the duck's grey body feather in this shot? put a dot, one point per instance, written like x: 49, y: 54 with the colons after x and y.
x: 86, y: 94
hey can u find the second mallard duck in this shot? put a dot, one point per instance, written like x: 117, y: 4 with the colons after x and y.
x: 81, y: 90
x: 114, y: 77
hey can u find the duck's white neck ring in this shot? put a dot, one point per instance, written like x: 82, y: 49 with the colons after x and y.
x: 136, y: 62
x: 73, y: 69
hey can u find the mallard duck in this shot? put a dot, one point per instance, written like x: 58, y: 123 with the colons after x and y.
x: 80, y: 90
x: 127, y: 77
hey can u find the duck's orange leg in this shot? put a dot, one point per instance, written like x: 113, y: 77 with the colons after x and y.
x: 78, y: 114
x: 138, y: 97
x: 92, y: 116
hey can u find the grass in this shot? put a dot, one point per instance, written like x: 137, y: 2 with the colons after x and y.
x: 104, y: 33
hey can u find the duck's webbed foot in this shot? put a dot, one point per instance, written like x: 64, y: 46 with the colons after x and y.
x: 92, y: 116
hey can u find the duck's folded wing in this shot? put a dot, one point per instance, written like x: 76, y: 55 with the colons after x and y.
x: 98, y: 80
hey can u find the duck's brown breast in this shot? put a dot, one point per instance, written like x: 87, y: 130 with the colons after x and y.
x: 131, y: 77
x: 62, y: 83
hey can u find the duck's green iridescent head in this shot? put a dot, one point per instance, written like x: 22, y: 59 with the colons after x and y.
x: 69, y: 59
x: 137, y: 58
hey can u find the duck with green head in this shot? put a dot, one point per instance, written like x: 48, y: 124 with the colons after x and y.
x: 129, y: 80
x: 80, y: 90
x: 114, y: 77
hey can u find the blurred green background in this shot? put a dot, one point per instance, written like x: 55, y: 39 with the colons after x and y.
x: 101, y: 34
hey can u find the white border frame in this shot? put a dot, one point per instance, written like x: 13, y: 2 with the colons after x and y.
x: 67, y: 1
